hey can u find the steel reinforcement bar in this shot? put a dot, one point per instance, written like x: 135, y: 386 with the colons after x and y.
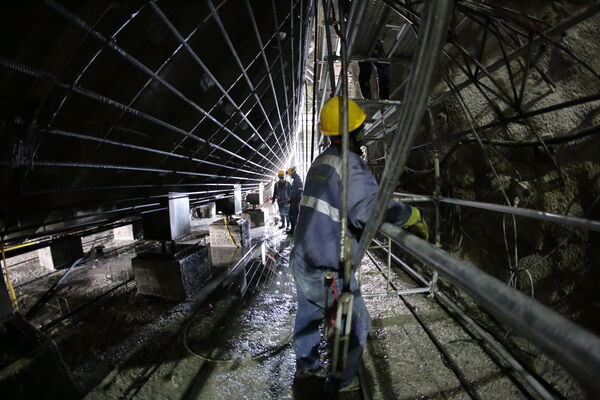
x: 575, y: 348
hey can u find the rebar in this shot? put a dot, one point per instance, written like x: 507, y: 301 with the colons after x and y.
x: 573, y: 347
x: 74, y: 19
x: 204, y: 68
x: 432, y: 39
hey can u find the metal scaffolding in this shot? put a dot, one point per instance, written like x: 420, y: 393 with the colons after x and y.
x: 416, y: 45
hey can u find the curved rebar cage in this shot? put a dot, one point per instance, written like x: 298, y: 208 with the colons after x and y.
x: 108, y: 108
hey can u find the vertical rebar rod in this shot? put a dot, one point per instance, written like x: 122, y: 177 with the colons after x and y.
x: 346, y: 254
x: 328, y: 19
x: 432, y: 35
x: 315, y: 82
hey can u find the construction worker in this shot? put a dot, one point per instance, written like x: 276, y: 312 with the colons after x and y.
x: 383, y: 74
x: 281, y: 193
x: 295, y: 196
x: 317, y: 243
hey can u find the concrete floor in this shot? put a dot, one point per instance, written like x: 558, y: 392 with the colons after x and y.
x: 233, y: 339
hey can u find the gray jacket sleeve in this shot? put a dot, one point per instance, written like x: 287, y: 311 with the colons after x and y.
x: 362, y: 193
x: 275, y: 192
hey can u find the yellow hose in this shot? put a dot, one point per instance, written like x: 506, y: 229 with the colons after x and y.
x: 17, y: 247
x: 229, y: 232
x: 9, y: 285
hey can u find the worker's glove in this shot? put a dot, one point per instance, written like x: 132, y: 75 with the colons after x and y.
x: 416, y: 224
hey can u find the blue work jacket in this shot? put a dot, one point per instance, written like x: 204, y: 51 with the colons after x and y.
x: 281, y: 191
x: 317, y: 235
x: 296, y: 189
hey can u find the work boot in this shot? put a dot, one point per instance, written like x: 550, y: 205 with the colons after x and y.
x: 351, y: 387
x: 302, y: 373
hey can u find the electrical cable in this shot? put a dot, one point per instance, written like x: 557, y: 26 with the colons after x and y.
x: 260, y: 356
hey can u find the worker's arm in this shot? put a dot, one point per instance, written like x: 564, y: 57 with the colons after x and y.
x: 362, y: 193
x: 275, y: 193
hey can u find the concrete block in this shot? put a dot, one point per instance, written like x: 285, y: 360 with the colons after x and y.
x: 239, y: 228
x: 223, y: 257
x: 123, y: 233
x: 253, y: 198
x: 31, y: 366
x: 133, y: 231
x: 171, y: 223
x: 206, y: 211
x: 61, y: 254
x: 6, y: 309
x: 176, y: 276
x: 255, y: 216
x: 45, y: 257
x: 229, y: 205
x: 261, y: 193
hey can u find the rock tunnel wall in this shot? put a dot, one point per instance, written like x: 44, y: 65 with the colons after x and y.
x: 557, y: 264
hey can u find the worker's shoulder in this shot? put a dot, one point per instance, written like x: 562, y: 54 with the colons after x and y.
x: 356, y: 161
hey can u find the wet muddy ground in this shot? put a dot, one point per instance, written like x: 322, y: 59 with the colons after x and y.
x: 233, y: 340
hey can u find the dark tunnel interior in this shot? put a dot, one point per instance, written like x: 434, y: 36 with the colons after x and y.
x: 145, y: 253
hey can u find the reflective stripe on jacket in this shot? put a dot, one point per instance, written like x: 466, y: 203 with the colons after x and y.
x: 317, y: 236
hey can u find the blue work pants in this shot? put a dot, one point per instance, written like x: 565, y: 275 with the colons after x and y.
x: 310, y: 290
x: 294, y: 211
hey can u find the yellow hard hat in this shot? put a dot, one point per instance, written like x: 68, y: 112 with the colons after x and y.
x: 330, y: 116
x: 291, y: 170
x: 280, y: 172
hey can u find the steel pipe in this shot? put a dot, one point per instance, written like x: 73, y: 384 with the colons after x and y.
x: 516, y: 366
x: 401, y: 292
x: 573, y: 347
x: 582, y: 223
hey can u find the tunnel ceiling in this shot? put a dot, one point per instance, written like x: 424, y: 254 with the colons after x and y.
x: 109, y: 106
x: 107, y: 103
